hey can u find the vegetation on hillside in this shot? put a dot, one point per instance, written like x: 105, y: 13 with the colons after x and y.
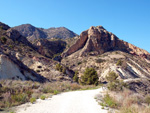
x: 90, y: 77
x: 113, y: 83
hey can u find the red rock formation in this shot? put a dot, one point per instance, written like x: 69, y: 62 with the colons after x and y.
x: 100, y: 40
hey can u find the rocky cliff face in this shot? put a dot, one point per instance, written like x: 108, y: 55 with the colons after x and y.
x: 99, y: 40
x: 50, y: 48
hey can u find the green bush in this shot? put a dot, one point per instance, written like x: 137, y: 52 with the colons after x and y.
x: 112, y: 76
x: 90, y: 77
x: 114, y: 84
x: 42, y: 97
x: 109, y: 101
x: 56, y: 92
x: 117, y: 85
x: 76, y: 78
x: 32, y: 100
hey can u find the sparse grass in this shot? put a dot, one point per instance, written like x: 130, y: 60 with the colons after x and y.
x: 43, y: 97
x: 32, y: 100
x: 16, y: 92
x: 125, y: 101
x: 55, y: 92
x: 110, y: 102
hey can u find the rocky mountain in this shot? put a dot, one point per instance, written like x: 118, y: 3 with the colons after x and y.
x: 23, y: 59
x: 33, y: 33
x: 10, y: 66
x: 95, y: 47
x: 105, y: 52
x: 99, y: 40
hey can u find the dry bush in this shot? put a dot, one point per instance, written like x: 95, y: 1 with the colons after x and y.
x: 15, y: 92
x: 126, y: 101
x: 131, y: 102
x: 134, y: 109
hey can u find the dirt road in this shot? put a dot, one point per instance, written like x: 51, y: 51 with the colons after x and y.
x: 69, y: 102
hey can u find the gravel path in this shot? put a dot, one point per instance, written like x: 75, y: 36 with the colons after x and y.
x: 69, y: 102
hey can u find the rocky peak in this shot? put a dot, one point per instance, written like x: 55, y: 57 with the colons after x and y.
x: 32, y: 33
x: 99, y: 40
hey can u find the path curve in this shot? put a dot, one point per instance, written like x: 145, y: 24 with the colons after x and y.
x: 69, y: 102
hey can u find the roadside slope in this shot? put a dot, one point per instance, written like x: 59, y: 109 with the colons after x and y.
x: 70, y: 102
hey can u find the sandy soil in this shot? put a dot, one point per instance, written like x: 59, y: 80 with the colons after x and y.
x: 69, y: 102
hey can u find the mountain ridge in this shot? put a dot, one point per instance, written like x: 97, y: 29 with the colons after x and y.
x: 32, y: 32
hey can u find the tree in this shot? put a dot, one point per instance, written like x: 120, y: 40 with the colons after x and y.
x: 90, y: 77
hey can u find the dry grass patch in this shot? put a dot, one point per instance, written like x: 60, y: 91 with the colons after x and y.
x: 13, y: 92
x: 125, y: 101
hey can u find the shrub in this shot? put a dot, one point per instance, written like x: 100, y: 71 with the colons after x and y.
x: 32, y: 100
x: 3, y: 39
x: 99, y: 60
x: 10, y: 46
x: 109, y: 101
x: 117, y: 85
x: 90, y: 77
x: 75, y: 78
x: 114, y: 84
x: 112, y: 76
x: 147, y: 99
x: 59, y: 67
x: 119, y: 62
x: 64, y: 70
x: 56, y: 92
x: 42, y: 97
x: 79, y: 63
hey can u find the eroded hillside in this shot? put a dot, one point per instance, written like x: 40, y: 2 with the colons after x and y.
x: 13, y: 44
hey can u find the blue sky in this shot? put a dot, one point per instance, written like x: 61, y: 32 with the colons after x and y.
x: 127, y: 19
